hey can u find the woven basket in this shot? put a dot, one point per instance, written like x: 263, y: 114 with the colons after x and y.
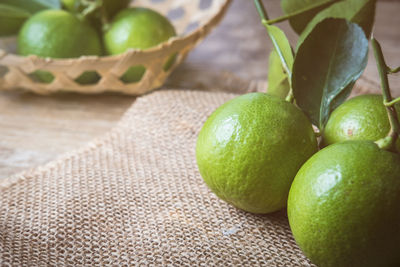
x: 193, y: 20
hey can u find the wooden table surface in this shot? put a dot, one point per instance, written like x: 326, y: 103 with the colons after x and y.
x: 36, y: 129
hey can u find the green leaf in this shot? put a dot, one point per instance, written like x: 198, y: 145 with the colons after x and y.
x: 50, y: 4
x: 278, y: 83
x: 282, y: 47
x: 299, y: 22
x: 8, y: 11
x: 361, y: 12
x: 11, y: 19
x: 13, y: 13
x: 33, y: 6
x: 327, y: 64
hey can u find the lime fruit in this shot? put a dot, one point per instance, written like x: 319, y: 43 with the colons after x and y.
x: 361, y: 118
x: 343, y: 206
x: 59, y: 34
x: 137, y: 28
x: 70, y: 5
x: 250, y: 149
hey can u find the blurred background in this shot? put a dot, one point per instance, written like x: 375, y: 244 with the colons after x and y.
x: 35, y: 129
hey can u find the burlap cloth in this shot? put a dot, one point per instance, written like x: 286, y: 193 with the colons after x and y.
x: 135, y: 197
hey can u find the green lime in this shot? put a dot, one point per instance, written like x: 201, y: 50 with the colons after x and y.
x: 361, y: 118
x: 59, y: 34
x: 138, y: 28
x: 70, y: 5
x: 343, y: 206
x: 250, y: 149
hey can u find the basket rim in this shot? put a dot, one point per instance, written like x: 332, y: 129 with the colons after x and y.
x: 155, y: 49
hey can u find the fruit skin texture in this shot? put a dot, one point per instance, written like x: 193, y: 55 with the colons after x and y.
x: 138, y: 28
x: 343, y: 206
x: 58, y: 34
x: 250, y: 149
x: 360, y: 118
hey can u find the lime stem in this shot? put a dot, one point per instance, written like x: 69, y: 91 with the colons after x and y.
x: 387, y: 143
x: 261, y: 9
x: 298, y: 12
x: 391, y: 103
x: 264, y: 18
x: 290, y: 97
x: 104, y: 18
x: 91, y: 6
x: 278, y: 50
x: 392, y: 71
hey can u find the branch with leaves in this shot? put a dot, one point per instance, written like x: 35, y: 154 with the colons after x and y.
x: 389, y: 141
x: 281, y: 45
x: 328, y: 59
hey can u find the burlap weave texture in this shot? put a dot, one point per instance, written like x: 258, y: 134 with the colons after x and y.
x: 135, y: 197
